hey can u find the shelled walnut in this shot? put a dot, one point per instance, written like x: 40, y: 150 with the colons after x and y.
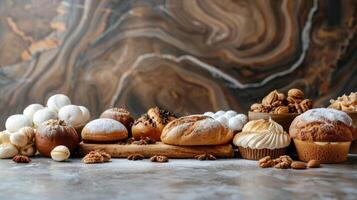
x: 158, y: 158
x: 205, y: 156
x: 21, y: 159
x: 135, y: 156
x: 277, y: 103
x: 96, y: 156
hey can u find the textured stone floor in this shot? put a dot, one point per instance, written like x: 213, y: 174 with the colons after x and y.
x: 178, y: 179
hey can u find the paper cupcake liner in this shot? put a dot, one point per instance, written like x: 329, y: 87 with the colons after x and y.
x: 256, y: 154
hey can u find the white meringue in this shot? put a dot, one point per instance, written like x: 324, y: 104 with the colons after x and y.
x: 43, y: 115
x: 15, y: 122
x: 57, y: 101
x: 31, y: 109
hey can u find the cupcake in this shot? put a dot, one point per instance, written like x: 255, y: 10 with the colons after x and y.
x: 322, y: 134
x: 260, y: 138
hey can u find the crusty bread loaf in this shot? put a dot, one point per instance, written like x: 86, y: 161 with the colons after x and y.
x: 196, y: 130
x: 322, y: 125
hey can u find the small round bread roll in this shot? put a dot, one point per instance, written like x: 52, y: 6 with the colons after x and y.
x: 31, y: 109
x: 196, y: 130
x: 60, y: 153
x: 29, y: 132
x: 15, y: 122
x: 53, y: 133
x: 57, y: 101
x: 72, y: 115
x: 7, y: 150
x: 28, y: 150
x: 4, y: 137
x: 85, y: 114
x: 152, y: 123
x: 119, y: 114
x: 19, y: 139
x: 104, y: 130
x: 43, y: 115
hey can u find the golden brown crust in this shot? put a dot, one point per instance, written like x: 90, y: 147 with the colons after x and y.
x: 151, y: 124
x: 320, y: 131
x: 113, y: 136
x: 119, y: 114
x: 53, y: 133
x: 196, y: 130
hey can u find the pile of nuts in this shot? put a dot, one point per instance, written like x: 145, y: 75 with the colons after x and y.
x: 277, y: 103
x: 96, y: 156
x: 285, y: 162
x: 345, y: 103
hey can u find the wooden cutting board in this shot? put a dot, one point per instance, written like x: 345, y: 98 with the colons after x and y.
x: 171, y: 151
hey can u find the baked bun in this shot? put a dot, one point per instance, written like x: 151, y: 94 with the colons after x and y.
x: 43, y: 115
x: 151, y: 124
x: 74, y: 115
x: 15, y: 122
x: 103, y: 131
x: 119, y: 114
x: 30, y: 110
x: 57, y: 101
x: 196, y: 130
x: 53, y: 133
x: 322, y: 134
x: 322, y: 125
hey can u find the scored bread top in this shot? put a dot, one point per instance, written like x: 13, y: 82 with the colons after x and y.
x: 196, y: 130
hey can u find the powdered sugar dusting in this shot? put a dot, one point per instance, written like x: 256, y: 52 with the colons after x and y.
x: 322, y: 114
x: 104, y: 126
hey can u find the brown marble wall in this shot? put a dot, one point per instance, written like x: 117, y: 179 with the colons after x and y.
x: 187, y: 56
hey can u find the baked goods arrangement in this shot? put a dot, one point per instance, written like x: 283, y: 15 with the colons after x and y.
x: 60, y: 130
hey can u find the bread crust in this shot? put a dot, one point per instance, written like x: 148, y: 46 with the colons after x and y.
x: 196, y: 130
x: 119, y: 114
x: 321, y: 131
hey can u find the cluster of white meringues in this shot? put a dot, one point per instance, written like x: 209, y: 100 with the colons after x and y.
x: 230, y: 119
x: 18, y: 138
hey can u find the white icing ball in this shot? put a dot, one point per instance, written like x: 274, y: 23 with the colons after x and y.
x: 215, y: 116
x: 210, y: 114
x: 31, y: 109
x: 43, y: 115
x: 15, y: 122
x: 5, y: 137
x: 57, y: 101
x: 221, y: 112
x: 236, y: 123
x: 85, y: 114
x: 60, y: 153
x: 230, y: 113
x: 71, y: 114
x: 8, y: 150
x: 19, y: 139
x: 223, y: 120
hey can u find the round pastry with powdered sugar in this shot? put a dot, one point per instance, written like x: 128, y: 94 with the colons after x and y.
x: 230, y: 119
x: 104, y: 130
x: 322, y: 134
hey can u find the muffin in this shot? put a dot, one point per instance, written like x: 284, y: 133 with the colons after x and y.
x: 260, y: 138
x: 322, y: 134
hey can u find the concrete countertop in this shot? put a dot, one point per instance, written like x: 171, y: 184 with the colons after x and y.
x: 178, y: 179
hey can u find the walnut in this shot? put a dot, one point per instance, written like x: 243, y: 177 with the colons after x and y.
x: 205, y: 157
x: 281, y: 110
x: 296, y: 93
x: 266, y: 162
x: 298, y: 165
x: 283, y: 158
x: 282, y: 165
x: 270, y: 98
x: 144, y: 141
x: 96, y: 156
x: 135, y: 156
x: 158, y: 158
x: 21, y: 159
x: 345, y: 103
x: 255, y: 106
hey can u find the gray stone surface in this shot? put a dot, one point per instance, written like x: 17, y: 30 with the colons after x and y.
x: 178, y: 179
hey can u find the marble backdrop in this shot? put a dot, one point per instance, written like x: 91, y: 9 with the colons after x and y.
x: 187, y: 56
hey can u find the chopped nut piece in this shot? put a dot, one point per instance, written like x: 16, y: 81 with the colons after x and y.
x: 205, y: 157
x: 266, y: 162
x: 298, y: 165
x: 135, y: 157
x: 21, y: 159
x: 158, y: 158
x: 313, y: 164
